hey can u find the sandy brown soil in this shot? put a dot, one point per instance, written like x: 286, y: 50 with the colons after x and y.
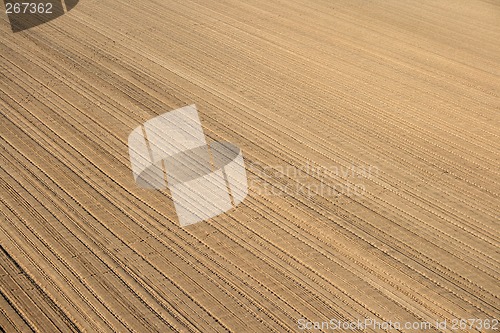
x: 398, y: 100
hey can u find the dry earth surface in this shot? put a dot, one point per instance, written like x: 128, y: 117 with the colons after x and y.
x: 370, y: 131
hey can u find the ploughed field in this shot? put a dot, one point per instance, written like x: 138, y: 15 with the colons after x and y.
x: 370, y: 132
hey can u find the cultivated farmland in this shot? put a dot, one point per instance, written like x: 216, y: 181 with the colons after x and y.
x: 370, y: 132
